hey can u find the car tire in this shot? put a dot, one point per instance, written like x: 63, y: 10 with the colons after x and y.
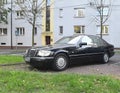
x: 105, y: 58
x: 60, y: 62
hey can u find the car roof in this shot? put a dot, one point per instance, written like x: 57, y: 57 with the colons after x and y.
x: 75, y: 35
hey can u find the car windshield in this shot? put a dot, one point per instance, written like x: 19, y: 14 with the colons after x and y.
x: 68, y: 40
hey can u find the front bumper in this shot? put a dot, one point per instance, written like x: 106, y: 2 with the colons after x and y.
x: 38, y: 61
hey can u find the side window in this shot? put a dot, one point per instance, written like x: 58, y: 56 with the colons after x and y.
x: 102, y: 42
x: 87, y: 40
x: 98, y: 41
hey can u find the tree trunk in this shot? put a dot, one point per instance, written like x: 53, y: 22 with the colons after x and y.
x: 101, y: 18
x: 33, y: 29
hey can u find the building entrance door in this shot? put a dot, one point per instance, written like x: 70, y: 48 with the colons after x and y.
x: 47, y: 40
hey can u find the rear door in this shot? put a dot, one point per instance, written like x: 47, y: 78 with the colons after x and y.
x: 99, y: 49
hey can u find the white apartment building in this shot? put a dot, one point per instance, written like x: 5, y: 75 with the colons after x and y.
x: 17, y: 22
x: 66, y: 18
x: 80, y: 16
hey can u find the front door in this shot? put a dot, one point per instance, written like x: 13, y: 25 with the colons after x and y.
x: 86, y: 51
x: 47, y: 40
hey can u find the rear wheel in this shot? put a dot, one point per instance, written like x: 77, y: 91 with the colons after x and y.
x: 105, y: 58
x: 60, y: 62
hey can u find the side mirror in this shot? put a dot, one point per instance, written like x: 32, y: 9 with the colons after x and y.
x: 82, y: 44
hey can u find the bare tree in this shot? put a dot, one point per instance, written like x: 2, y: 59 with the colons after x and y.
x: 32, y: 10
x: 104, y: 8
x: 3, y: 13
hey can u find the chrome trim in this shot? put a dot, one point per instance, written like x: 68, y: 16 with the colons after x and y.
x: 86, y: 54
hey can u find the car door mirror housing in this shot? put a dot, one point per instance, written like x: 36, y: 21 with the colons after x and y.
x: 82, y: 44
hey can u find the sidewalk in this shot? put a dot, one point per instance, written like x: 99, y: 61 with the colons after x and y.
x: 12, y: 51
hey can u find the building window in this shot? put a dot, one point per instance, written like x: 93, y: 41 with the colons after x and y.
x: 3, y: 43
x: 3, y: 31
x: 4, y: 1
x: 20, y: 31
x: 35, y: 31
x: 105, y: 10
x: 48, y: 19
x: 79, y: 12
x: 20, y: 1
x: 79, y: 29
x: 19, y: 43
x: 3, y: 17
x: 19, y: 14
x: 60, y: 13
x: 104, y: 29
x: 61, y: 30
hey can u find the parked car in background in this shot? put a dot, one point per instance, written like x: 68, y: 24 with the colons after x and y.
x: 70, y: 49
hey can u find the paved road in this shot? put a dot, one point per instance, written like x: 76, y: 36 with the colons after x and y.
x: 111, y: 68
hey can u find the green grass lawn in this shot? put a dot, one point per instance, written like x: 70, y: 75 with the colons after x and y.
x: 10, y: 59
x: 36, y: 82
x: 117, y: 51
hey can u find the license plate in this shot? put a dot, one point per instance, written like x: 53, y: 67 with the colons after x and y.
x: 27, y: 59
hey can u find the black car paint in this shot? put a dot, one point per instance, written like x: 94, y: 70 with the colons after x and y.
x: 74, y: 52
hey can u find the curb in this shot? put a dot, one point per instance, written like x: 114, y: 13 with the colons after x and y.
x: 12, y: 64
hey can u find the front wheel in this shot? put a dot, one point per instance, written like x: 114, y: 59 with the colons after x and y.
x: 105, y: 58
x: 60, y: 62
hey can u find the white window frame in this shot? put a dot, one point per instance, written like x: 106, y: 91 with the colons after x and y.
x: 105, y: 29
x: 60, y: 13
x: 79, y: 12
x: 81, y: 29
x: 3, y: 31
x: 20, y: 31
x: 19, y: 14
x: 105, y: 11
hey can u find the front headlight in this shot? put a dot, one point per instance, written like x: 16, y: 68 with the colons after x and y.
x: 44, y: 53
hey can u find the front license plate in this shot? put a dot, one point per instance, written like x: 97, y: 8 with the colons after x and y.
x: 27, y: 59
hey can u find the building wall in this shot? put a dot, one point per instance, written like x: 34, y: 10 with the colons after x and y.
x: 26, y: 39
x: 68, y: 20
x: 114, y: 36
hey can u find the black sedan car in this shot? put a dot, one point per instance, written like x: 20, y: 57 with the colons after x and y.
x: 70, y: 49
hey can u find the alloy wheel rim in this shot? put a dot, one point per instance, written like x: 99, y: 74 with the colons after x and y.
x: 61, y: 63
x: 106, y: 58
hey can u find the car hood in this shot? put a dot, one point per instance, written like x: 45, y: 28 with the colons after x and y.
x: 55, y: 47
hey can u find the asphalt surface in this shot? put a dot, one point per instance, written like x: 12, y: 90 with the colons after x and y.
x: 111, y: 68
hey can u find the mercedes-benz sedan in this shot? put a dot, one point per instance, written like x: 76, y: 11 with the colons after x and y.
x: 70, y: 49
